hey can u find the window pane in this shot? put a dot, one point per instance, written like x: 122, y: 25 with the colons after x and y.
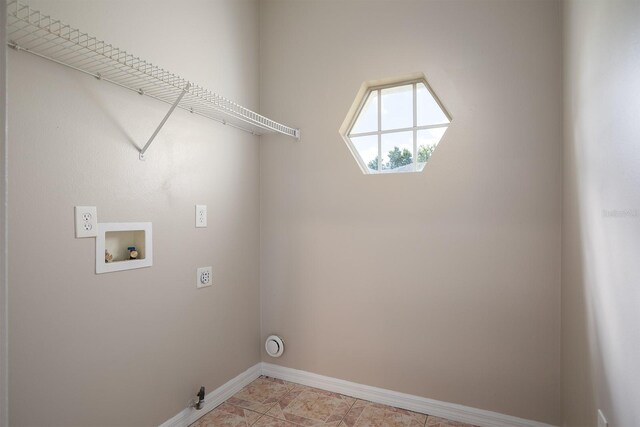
x: 429, y: 112
x: 367, y: 120
x: 397, y: 107
x: 397, y: 152
x: 428, y: 140
x: 367, y: 148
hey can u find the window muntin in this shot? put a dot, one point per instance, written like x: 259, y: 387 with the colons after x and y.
x: 404, y: 122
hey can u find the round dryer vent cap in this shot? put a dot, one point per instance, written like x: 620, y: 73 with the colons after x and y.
x: 274, y: 346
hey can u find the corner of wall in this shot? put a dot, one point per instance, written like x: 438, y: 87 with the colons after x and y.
x: 601, y: 215
x: 4, y: 367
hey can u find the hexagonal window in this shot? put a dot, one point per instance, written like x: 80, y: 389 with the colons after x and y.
x: 395, y: 127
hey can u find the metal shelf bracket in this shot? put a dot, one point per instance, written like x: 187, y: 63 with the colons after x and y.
x: 164, y: 120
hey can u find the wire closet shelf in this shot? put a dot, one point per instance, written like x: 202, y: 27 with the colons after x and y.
x: 31, y: 31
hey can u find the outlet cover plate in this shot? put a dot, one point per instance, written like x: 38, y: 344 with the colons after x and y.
x: 86, y: 221
x: 201, y: 216
x: 204, y: 277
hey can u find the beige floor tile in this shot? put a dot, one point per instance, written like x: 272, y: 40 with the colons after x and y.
x: 261, y: 394
x: 267, y: 421
x: 369, y: 414
x: 441, y: 422
x: 227, y: 415
x: 311, y: 407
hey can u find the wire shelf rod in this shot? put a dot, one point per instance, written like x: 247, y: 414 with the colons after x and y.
x: 199, y: 113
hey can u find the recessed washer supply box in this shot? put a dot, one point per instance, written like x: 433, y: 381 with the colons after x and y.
x: 116, y: 238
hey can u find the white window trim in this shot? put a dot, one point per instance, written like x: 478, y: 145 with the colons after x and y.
x: 415, y: 128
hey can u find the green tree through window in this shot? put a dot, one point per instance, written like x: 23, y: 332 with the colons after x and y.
x: 397, y: 158
x: 424, y: 152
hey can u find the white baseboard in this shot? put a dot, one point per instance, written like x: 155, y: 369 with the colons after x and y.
x: 451, y: 411
x: 216, y: 397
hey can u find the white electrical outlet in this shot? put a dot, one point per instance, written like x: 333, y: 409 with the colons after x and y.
x: 201, y: 216
x: 86, y: 221
x: 204, y: 277
x: 602, y: 421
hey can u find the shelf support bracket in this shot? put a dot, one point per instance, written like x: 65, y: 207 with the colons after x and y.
x: 164, y: 120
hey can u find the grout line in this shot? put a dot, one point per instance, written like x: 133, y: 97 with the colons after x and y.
x: 257, y: 419
x: 358, y: 419
x: 350, y: 408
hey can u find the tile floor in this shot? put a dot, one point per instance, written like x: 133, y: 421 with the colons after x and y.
x: 269, y: 402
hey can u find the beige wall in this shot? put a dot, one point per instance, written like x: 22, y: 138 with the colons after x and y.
x: 4, y: 420
x: 131, y: 348
x: 601, y: 224
x: 444, y: 284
